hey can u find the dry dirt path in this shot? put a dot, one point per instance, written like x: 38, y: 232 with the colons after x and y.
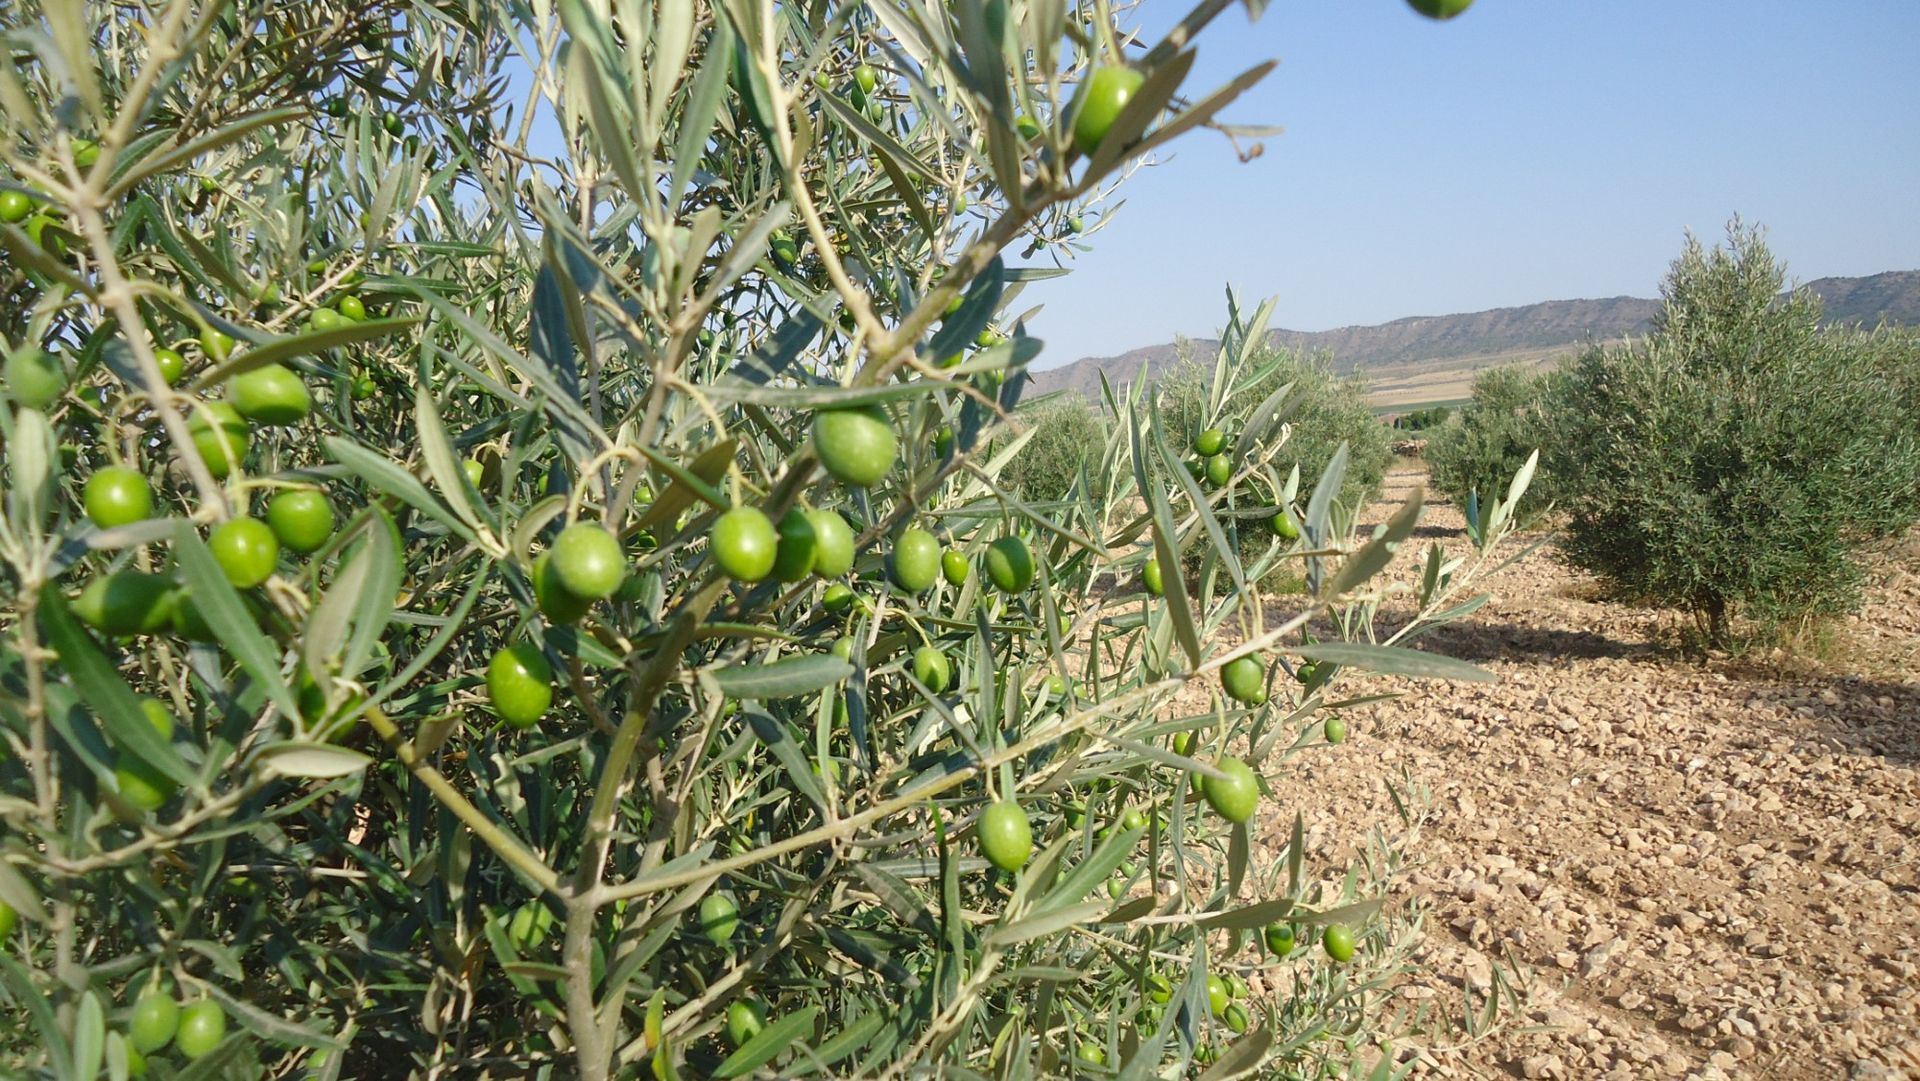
x: 1711, y: 869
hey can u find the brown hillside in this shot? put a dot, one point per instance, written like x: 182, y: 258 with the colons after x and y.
x: 1433, y: 357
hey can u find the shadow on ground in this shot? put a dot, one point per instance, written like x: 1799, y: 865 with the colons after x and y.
x: 1481, y: 641
x: 1878, y: 718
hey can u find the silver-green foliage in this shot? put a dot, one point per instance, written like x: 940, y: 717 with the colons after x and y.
x: 632, y: 320
x: 1329, y: 420
x: 1478, y: 449
x: 1734, y: 462
x: 1326, y: 409
x: 1067, y: 434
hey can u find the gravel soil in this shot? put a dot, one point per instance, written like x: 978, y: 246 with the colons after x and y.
x: 1705, y: 868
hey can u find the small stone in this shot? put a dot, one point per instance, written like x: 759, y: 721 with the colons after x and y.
x: 1539, y: 1066
x: 1477, y: 970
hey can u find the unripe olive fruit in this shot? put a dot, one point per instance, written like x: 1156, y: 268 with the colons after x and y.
x: 125, y: 602
x: 202, y: 1026
x: 156, y: 1017
x: 1439, y: 9
x: 117, y: 495
x: 931, y: 667
x: 832, y: 543
x: 301, y: 518
x: 1338, y: 942
x: 1217, y: 995
x: 794, y: 557
x: 856, y: 445
x: 719, y: 918
x: 220, y: 436
x: 171, y: 364
x: 246, y: 550
x: 745, y: 1020
x: 1159, y: 989
x: 557, y: 603
x: 529, y: 925
x: 1005, y: 835
x: 1010, y: 565
x: 1279, y: 938
x: 217, y: 345
x: 915, y: 562
x: 1244, y: 680
x: 744, y: 544
x: 35, y: 378
x: 1099, y: 103
x: 1234, y: 796
x: 270, y: 394
x: 520, y: 684
x: 141, y: 785
x: 589, y: 560
x: 954, y: 566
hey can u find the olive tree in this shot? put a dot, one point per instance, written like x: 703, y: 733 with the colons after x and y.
x: 1476, y: 452
x: 505, y: 571
x: 1066, y: 433
x: 1735, y: 461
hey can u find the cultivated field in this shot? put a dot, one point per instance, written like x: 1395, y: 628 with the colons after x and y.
x: 1708, y: 869
x: 1399, y: 388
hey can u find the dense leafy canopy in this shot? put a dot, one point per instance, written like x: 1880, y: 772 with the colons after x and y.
x: 448, y: 336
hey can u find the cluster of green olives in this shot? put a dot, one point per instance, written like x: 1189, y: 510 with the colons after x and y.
x: 158, y: 1020
x: 247, y: 550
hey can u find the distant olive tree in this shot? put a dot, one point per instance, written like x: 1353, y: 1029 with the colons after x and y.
x: 1734, y: 461
x: 1480, y: 448
x: 1066, y: 431
x: 1420, y: 420
x: 1896, y: 352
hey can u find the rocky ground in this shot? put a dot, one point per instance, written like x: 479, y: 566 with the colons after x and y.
x: 1710, y: 869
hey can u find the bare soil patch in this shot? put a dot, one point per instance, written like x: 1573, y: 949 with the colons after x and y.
x: 1711, y: 869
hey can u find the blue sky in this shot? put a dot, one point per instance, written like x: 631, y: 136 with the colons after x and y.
x: 1528, y: 150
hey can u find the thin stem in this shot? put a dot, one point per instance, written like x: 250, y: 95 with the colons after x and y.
x: 39, y: 760
x: 591, y: 1038
x: 116, y: 295
x: 490, y: 833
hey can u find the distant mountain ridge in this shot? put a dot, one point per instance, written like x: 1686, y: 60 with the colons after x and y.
x: 1531, y: 333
